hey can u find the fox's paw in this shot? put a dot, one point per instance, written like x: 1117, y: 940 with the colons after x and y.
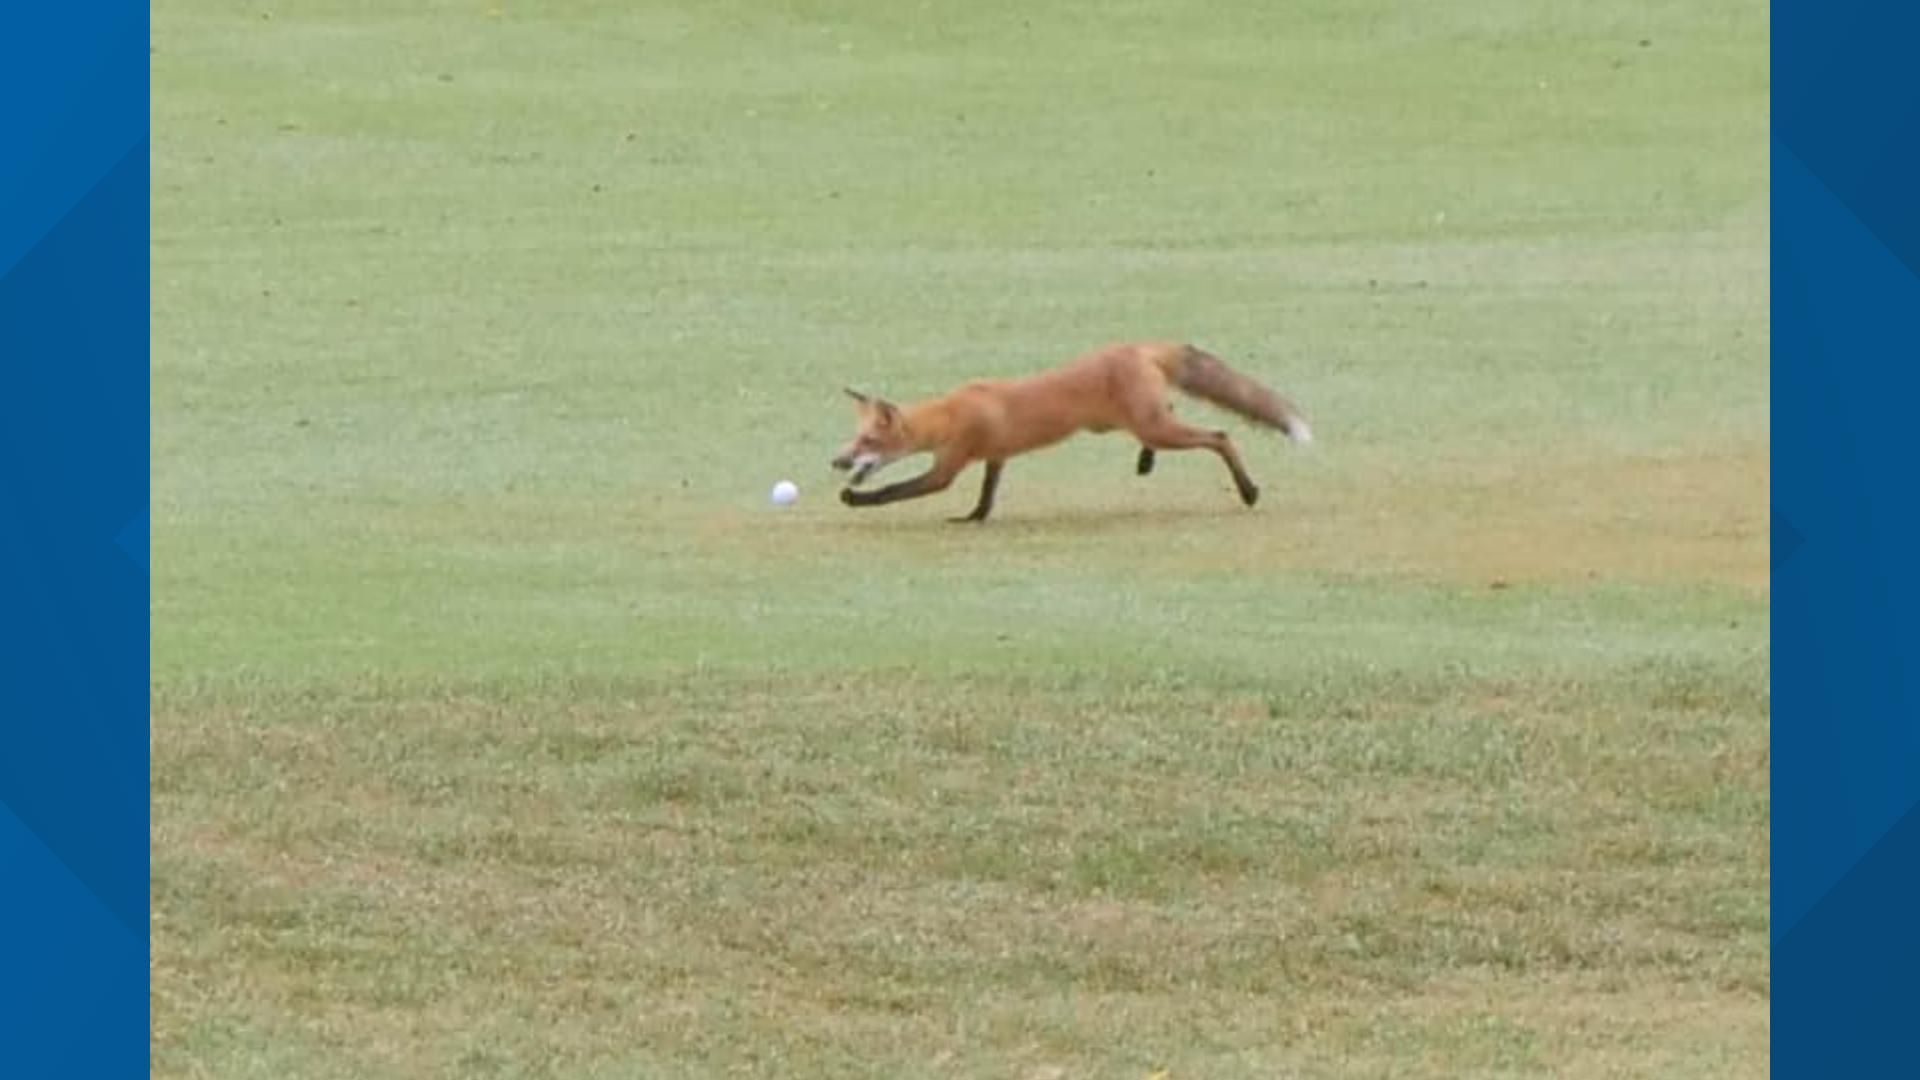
x: 849, y: 496
x: 1250, y: 494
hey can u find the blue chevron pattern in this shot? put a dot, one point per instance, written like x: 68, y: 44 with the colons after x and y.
x: 1846, y: 734
x: 73, y: 473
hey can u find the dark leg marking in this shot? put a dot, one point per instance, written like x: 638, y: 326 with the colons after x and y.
x: 1169, y: 434
x: 989, y: 484
x: 1145, y: 464
x: 1249, y: 491
x: 925, y: 484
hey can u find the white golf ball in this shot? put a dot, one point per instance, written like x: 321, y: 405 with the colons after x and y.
x: 784, y: 493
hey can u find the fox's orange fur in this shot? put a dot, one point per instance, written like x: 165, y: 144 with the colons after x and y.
x: 1117, y: 387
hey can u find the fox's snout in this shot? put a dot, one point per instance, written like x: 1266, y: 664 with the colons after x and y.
x: 881, y: 437
x: 859, y: 463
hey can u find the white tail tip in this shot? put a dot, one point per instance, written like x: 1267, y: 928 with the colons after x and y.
x: 1299, y: 432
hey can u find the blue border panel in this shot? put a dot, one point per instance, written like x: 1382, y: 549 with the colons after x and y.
x: 73, y: 575
x: 1846, y: 394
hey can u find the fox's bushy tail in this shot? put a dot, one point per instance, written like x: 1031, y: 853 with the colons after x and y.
x: 1208, y: 378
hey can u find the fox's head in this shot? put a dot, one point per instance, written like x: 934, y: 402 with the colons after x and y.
x: 880, y: 439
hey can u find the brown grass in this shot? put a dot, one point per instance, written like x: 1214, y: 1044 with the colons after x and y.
x: 1509, y: 881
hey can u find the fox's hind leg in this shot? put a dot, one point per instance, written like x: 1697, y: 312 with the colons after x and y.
x: 1163, y: 432
x: 988, y: 485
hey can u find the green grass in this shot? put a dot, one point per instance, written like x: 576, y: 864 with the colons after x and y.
x: 502, y: 729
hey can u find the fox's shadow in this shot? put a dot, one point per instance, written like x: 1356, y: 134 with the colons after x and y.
x: 1079, y: 521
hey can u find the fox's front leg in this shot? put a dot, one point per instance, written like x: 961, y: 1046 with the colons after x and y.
x: 988, y: 486
x: 938, y: 478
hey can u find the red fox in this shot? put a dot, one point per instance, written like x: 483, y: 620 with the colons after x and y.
x: 1120, y: 386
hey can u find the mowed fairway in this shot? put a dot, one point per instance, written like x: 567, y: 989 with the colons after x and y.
x: 502, y: 729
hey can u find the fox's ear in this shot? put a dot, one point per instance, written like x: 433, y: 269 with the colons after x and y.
x: 856, y: 395
x: 889, y: 412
